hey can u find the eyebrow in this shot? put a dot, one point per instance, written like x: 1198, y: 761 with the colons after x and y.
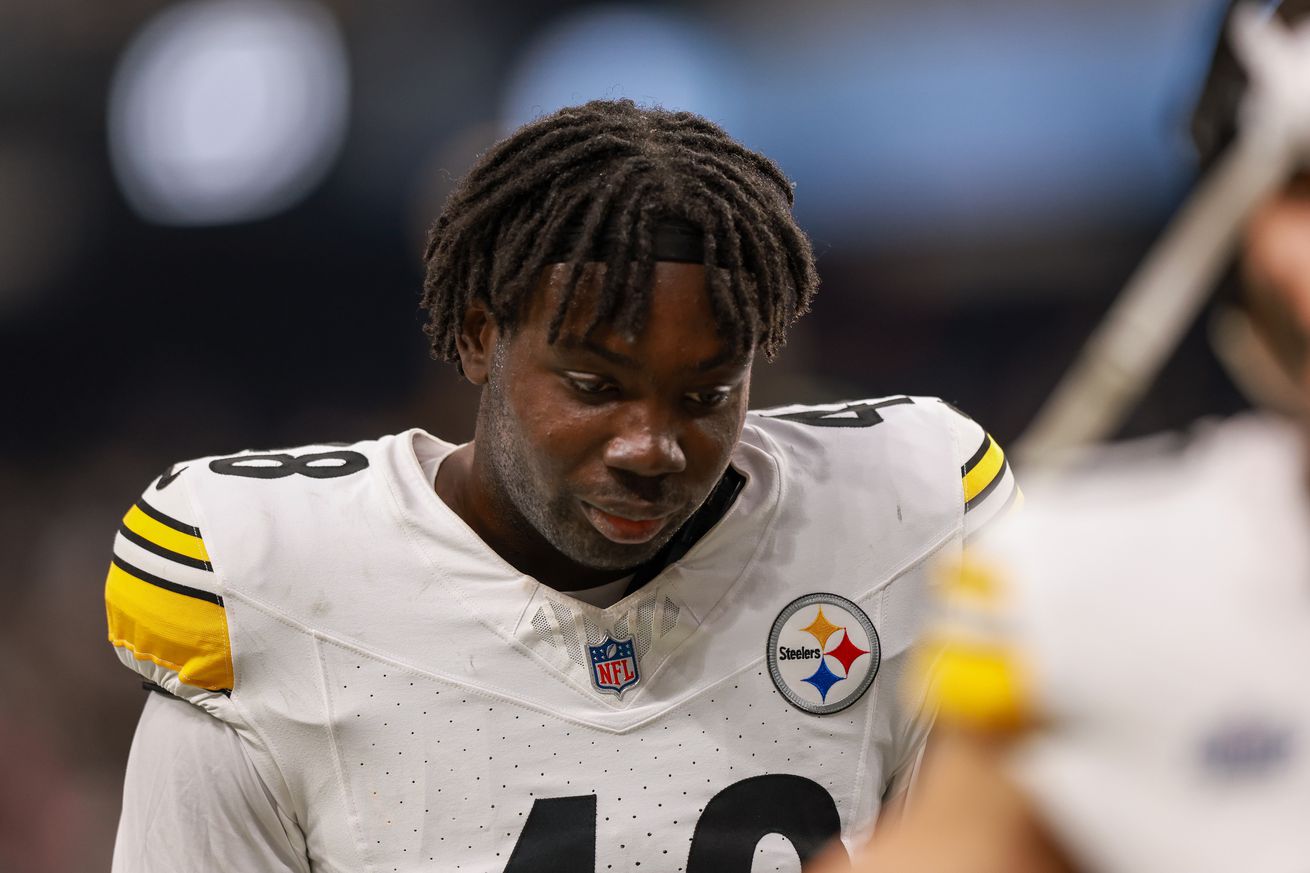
x: 592, y: 347
x: 723, y: 358
x: 727, y: 356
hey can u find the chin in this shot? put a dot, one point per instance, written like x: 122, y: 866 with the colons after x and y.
x: 590, y: 549
x: 614, y: 556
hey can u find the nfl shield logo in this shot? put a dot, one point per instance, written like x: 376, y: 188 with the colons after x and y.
x: 614, y: 665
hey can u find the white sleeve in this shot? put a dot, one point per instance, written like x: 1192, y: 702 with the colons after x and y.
x: 194, y: 803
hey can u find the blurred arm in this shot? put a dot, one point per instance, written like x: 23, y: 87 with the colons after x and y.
x: 966, y: 813
x: 194, y: 803
x: 967, y: 817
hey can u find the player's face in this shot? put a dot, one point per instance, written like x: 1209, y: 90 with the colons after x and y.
x: 1277, y: 265
x: 605, y: 445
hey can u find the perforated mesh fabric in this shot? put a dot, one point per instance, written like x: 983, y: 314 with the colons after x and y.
x: 562, y: 625
x: 645, y: 622
x: 541, y: 624
x: 594, y: 634
x: 564, y: 618
x: 670, y: 619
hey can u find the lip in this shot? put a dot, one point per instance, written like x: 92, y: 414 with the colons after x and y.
x: 627, y: 525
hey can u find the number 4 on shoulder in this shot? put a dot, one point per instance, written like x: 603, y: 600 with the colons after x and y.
x: 861, y: 414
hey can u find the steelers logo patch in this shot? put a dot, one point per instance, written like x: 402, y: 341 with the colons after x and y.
x: 823, y: 653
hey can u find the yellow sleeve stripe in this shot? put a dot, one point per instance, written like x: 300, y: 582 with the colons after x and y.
x: 174, y: 626
x: 165, y: 536
x: 983, y: 471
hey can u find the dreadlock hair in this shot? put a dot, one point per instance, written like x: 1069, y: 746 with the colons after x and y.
x: 605, y: 182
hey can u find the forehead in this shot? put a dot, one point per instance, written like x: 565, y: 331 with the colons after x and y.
x: 679, y: 327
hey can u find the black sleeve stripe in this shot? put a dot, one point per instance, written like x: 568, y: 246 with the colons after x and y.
x: 977, y: 456
x: 989, y: 487
x: 133, y: 537
x: 166, y: 584
x: 159, y: 689
x: 180, y: 526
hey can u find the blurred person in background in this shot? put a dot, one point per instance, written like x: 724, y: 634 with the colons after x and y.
x: 1119, y: 671
x: 628, y: 623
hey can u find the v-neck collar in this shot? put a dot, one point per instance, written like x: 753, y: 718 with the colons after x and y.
x: 496, y: 593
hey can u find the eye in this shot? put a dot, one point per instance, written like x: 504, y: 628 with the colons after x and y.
x: 587, y: 384
x: 710, y: 399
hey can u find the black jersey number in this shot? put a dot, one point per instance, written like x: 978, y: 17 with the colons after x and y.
x: 558, y: 837
x: 279, y: 465
x: 862, y: 414
x: 560, y: 833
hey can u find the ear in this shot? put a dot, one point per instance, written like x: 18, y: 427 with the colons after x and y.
x: 476, y: 343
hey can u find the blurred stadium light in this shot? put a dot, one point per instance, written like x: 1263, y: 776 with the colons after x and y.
x: 902, y: 124
x: 654, y: 56
x: 977, y: 120
x: 224, y: 111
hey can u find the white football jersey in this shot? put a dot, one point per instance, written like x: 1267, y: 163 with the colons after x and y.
x: 398, y: 698
x: 1146, y: 628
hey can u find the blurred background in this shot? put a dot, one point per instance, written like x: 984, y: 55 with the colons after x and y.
x: 212, y: 214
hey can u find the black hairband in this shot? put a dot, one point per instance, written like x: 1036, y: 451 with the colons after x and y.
x: 671, y: 240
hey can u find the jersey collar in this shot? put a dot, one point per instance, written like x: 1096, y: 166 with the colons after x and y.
x: 706, y: 559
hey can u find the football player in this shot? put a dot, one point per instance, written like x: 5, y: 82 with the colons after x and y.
x: 628, y: 624
x: 1120, y: 670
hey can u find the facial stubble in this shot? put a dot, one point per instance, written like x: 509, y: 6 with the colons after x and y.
x: 524, y: 495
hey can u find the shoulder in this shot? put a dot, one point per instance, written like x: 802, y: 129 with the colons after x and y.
x: 851, y: 426
x: 1081, y: 528
x: 164, y: 603
x: 234, y: 492
x: 913, y: 437
x: 1149, y: 492
x: 310, y: 462
x: 1107, y: 552
x: 232, y: 501
x: 855, y: 443
x: 201, y: 523
x: 1167, y: 505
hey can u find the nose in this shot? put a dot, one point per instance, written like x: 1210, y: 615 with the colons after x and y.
x: 646, y: 443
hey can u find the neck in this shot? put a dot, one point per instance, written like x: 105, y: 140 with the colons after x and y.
x: 469, y: 488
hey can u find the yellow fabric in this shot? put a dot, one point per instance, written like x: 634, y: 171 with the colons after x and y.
x: 973, y: 671
x: 173, y: 630
x: 969, y: 577
x: 984, y: 471
x: 979, y: 687
x: 163, y: 535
